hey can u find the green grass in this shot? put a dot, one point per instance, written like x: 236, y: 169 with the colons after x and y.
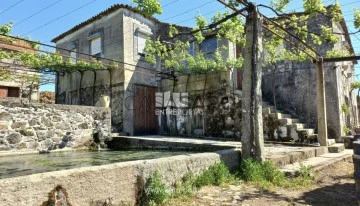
x: 157, y: 193
x: 263, y: 175
x: 267, y: 175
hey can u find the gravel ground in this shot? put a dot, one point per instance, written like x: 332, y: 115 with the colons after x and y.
x: 333, y: 186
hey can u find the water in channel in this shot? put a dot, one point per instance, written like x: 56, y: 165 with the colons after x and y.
x: 14, y: 166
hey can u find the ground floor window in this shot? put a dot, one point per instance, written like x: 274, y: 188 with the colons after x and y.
x: 9, y: 91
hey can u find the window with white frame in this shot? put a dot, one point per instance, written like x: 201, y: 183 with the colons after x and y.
x: 95, y: 47
x: 73, y: 55
x: 141, y: 42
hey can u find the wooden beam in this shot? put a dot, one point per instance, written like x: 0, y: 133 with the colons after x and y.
x: 341, y: 59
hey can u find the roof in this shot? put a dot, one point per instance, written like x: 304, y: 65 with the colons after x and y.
x: 108, y: 11
x: 17, y: 46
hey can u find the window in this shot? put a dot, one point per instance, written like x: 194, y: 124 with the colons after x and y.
x: 192, y: 49
x: 95, y: 49
x: 9, y: 91
x: 141, y: 42
x: 208, y: 47
x: 73, y: 55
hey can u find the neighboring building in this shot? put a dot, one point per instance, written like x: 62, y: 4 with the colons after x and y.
x: 17, y: 80
x: 139, y: 92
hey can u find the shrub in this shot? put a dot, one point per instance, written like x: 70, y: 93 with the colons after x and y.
x: 155, y: 192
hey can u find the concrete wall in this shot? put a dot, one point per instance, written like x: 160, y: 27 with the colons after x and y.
x: 294, y: 85
x: 33, y: 126
x: 120, y: 182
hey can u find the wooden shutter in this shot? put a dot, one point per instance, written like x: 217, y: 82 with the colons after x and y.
x: 3, y: 91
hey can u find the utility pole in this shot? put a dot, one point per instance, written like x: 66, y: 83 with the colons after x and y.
x: 252, y: 139
x: 321, y: 103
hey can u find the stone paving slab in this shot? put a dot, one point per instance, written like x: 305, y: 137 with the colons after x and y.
x: 319, y: 162
x: 277, y: 153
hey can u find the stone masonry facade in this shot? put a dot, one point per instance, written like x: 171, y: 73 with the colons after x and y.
x: 25, y: 126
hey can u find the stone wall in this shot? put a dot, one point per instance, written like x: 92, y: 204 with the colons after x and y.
x: 30, y: 126
x: 120, y: 182
x: 215, y: 106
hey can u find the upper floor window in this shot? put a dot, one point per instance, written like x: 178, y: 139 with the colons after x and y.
x: 141, y: 36
x: 95, y: 47
x: 192, y: 49
x: 73, y: 47
x: 73, y: 56
x: 141, y: 42
x: 208, y: 47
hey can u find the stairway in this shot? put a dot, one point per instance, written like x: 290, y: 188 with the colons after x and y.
x: 283, y: 127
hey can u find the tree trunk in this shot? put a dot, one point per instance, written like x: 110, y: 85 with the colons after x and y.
x: 252, y: 124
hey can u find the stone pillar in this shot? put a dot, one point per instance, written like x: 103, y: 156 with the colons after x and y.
x: 252, y: 123
x: 321, y: 104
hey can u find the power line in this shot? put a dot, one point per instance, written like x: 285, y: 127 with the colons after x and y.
x: 80, y: 59
x: 188, y: 10
x: 59, y: 17
x: 170, y: 3
x: 38, y: 12
x: 11, y: 6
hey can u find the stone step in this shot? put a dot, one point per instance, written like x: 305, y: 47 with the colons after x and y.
x: 300, y: 154
x: 118, y: 134
x: 285, y: 121
x: 317, y: 163
x: 295, y: 120
x: 266, y: 111
x: 307, y: 131
x: 331, y: 142
x: 336, y: 148
x: 298, y: 126
x: 279, y: 115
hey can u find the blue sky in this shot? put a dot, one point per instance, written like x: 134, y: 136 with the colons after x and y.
x: 42, y: 20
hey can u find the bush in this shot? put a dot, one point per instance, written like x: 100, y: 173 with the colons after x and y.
x: 215, y: 175
x: 155, y: 192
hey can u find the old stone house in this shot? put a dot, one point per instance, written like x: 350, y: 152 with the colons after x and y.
x: 17, y: 80
x: 118, y: 33
x: 140, y: 92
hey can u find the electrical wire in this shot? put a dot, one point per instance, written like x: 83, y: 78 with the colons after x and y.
x: 11, y: 6
x: 36, y: 13
x: 60, y: 17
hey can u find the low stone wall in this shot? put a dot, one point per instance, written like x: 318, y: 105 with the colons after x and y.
x: 34, y: 126
x: 120, y: 182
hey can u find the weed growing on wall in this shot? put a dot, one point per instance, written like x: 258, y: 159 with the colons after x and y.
x: 155, y: 191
